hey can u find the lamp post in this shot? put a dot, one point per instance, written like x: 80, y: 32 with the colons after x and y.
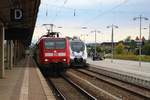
x: 149, y: 33
x: 112, y: 40
x: 84, y: 36
x: 84, y: 27
x: 140, y: 50
x: 95, y: 31
x: 59, y: 27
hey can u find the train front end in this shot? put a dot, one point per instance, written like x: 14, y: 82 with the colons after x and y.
x: 55, y: 54
x: 78, y: 54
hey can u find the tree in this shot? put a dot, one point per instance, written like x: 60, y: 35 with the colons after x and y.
x: 132, y: 46
x: 146, y: 49
x: 98, y: 49
x: 119, y: 49
x: 128, y: 39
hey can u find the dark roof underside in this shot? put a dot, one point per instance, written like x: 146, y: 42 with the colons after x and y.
x: 19, y: 29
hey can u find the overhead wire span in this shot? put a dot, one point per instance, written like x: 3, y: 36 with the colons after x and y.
x: 58, y: 11
x: 71, y: 8
x: 105, y: 12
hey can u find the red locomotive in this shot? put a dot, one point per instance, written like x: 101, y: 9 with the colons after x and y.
x: 53, y: 53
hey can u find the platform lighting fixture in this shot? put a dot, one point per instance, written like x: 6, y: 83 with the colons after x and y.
x: 59, y: 27
x: 84, y: 28
x: 112, y: 40
x: 149, y: 34
x: 140, y: 50
x: 95, y: 31
x: 84, y: 36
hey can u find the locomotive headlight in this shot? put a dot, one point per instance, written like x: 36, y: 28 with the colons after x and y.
x: 45, y: 60
x: 64, y: 59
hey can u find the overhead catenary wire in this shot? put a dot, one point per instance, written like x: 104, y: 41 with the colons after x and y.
x: 59, y: 11
x: 71, y: 8
x: 105, y: 12
x: 79, y: 10
x: 76, y: 10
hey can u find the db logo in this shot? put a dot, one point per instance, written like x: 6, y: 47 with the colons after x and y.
x: 16, y: 14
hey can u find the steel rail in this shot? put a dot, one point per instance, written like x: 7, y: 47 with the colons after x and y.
x: 119, y: 79
x: 56, y: 90
x: 60, y: 95
x: 84, y: 92
x: 120, y: 75
x: 123, y: 87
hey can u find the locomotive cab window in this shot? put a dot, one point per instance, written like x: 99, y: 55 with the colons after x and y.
x: 77, y: 46
x: 60, y: 44
x: 55, y: 44
x: 49, y: 45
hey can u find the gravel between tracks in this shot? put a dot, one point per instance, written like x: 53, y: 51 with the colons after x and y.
x: 67, y: 89
x: 112, y: 89
x: 99, y: 93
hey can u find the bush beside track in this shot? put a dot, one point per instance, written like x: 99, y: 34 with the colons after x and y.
x: 132, y: 57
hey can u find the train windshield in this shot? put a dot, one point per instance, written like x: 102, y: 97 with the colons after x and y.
x: 55, y: 44
x: 77, y: 46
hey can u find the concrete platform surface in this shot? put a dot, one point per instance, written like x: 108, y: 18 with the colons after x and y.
x: 24, y: 82
x: 125, y: 66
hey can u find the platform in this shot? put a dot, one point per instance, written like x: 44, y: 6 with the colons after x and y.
x: 24, y: 82
x: 130, y: 68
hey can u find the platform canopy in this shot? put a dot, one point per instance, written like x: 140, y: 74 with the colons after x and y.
x: 19, y: 17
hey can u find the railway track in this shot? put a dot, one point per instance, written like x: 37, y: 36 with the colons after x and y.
x: 122, y: 90
x: 124, y: 76
x: 65, y: 89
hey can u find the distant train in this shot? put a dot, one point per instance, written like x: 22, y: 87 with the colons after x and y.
x: 53, y: 53
x: 78, y: 53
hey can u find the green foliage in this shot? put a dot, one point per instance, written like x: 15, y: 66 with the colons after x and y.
x: 119, y: 49
x: 92, y: 49
x: 132, y: 44
x: 146, y: 49
x: 128, y: 39
x: 98, y: 49
x: 132, y: 57
x: 126, y: 57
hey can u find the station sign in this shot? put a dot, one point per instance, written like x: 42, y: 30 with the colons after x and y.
x: 16, y: 14
x: 139, y: 42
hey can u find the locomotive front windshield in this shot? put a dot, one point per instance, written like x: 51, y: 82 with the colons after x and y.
x: 77, y: 46
x: 55, y: 44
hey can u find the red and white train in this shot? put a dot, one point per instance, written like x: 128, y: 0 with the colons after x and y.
x: 53, y: 53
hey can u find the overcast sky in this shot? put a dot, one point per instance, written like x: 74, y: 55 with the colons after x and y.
x: 71, y: 15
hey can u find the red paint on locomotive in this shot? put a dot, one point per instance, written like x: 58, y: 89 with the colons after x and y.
x: 53, y: 50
